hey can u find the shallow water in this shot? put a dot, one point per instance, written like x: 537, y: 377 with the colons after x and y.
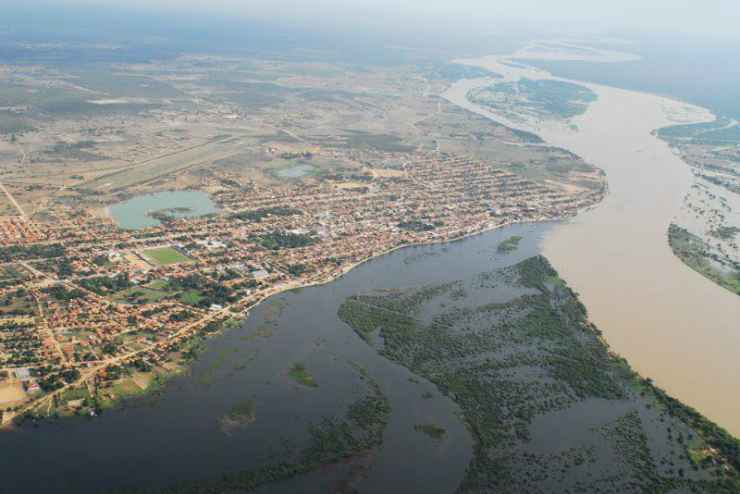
x: 296, y: 171
x: 177, y: 435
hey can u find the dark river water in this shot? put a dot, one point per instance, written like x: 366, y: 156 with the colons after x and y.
x: 178, y: 434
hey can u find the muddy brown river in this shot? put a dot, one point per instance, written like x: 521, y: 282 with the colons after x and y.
x: 672, y: 324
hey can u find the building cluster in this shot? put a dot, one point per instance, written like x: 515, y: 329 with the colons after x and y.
x: 97, y: 302
x: 17, y: 230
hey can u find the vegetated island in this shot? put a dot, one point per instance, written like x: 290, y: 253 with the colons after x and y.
x: 696, y: 254
x: 541, y: 99
x: 530, y: 363
x: 705, y: 233
x: 509, y: 245
x: 241, y: 415
x: 300, y: 374
x: 169, y: 214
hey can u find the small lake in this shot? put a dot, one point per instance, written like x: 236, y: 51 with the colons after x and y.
x: 135, y: 213
x: 178, y: 435
x: 296, y: 171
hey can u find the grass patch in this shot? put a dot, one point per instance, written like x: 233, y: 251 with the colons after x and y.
x: 140, y: 295
x: 190, y: 297
x: 125, y: 388
x: 698, y: 455
x: 73, y: 394
x: 157, y: 285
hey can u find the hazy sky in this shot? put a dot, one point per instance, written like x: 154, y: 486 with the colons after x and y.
x: 691, y: 16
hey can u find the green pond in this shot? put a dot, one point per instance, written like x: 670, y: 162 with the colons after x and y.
x: 137, y: 212
x: 296, y: 171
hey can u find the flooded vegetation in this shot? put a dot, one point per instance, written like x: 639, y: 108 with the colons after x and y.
x: 509, y: 245
x: 432, y: 430
x: 549, y: 406
x: 434, y: 369
x: 241, y: 415
x: 332, y: 440
x: 236, y: 259
x: 698, y: 255
x: 704, y: 233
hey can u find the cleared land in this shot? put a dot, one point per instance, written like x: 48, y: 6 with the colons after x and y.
x: 163, y: 165
x: 11, y: 393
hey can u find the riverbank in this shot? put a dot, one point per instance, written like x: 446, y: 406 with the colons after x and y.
x: 252, y: 363
x: 193, y: 335
x: 672, y: 324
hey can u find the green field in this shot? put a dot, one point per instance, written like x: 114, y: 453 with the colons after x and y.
x: 156, y: 291
x: 141, y: 295
x: 164, y: 256
x: 190, y: 297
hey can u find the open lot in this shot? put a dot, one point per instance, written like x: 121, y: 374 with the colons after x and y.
x: 11, y: 393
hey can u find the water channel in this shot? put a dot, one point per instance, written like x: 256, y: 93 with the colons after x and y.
x: 671, y: 323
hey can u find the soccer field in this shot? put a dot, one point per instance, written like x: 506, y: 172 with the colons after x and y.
x: 165, y: 255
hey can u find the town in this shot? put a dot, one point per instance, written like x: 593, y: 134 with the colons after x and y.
x: 88, y: 305
x: 92, y: 311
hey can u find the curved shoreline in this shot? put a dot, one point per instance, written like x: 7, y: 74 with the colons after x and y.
x: 8, y: 421
x: 670, y: 323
